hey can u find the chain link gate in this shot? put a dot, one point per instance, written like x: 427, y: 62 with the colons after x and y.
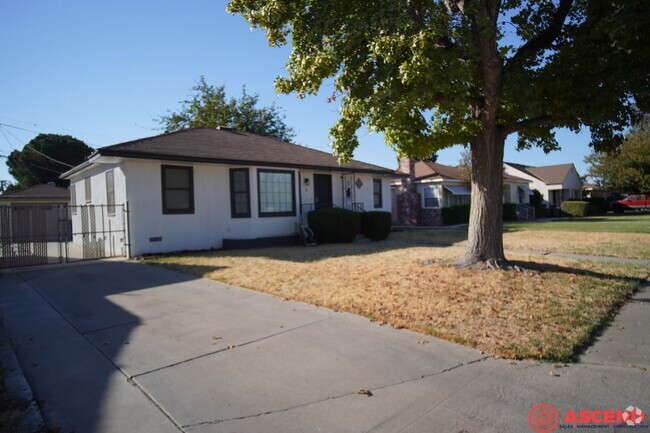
x: 49, y: 234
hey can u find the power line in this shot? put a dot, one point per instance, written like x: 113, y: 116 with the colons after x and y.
x: 94, y: 146
x: 52, y: 127
x: 28, y: 146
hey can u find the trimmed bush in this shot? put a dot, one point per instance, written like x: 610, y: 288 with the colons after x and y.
x: 509, y: 212
x: 598, y: 205
x: 540, y: 210
x: 333, y: 225
x: 458, y: 214
x: 376, y: 225
x: 575, y: 208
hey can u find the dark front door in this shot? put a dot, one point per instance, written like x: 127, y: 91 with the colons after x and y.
x: 322, y: 190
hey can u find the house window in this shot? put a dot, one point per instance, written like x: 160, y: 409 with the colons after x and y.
x: 431, y: 197
x: 88, y: 193
x: 240, y: 196
x: 73, y: 199
x: 376, y: 193
x: 177, y: 189
x: 276, y: 193
x: 110, y: 193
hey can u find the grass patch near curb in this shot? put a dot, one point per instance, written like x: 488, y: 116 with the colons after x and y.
x: 549, y: 314
x: 12, y: 408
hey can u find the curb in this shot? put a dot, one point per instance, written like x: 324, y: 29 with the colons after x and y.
x: 16, y: 384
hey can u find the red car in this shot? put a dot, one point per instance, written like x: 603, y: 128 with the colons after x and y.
x: 631, y: 202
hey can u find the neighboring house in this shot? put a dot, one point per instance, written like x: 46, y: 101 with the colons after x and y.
x: 557, y: 183
x: 32, y: 213
x: 37, y: 195
x: 591, y: 190
x: 193, y: 189
x: 434, y: 186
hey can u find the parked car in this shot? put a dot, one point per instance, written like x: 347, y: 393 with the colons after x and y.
x: 631, y: 202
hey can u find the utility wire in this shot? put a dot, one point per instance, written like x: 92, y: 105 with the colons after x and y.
x: 51, y: 127
x: 28, y: 146
x: 94, y: 146
x: 7, y: 138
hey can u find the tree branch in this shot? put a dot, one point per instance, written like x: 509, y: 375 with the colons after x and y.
x: 544, y: 38
x: 532, y: 122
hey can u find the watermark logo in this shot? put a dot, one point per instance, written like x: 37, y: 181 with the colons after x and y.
x: 543, y: 418
x: 633, y: 416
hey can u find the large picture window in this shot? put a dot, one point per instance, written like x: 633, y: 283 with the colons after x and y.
x: 276, y: 192
x: 110, y: 193
x: 240, y: 196
x: 177, y: 189
x: 376, y: 193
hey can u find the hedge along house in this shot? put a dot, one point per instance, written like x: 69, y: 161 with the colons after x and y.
x: 419, y: 198
x: 203, y: 188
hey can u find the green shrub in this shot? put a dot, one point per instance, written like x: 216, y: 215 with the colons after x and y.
x: 540, y: 210
x: 575, y: 208
x: 536, y: 198
x: 509, y: 212
x: 376, y: 225
x: 598, y: 205
x: 334, y: 225
x: 457, y: 214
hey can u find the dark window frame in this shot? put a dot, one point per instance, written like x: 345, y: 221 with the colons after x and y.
x: 233, y: 210
x: 292, y: 212
x: 166, y: 211
x: 374, y: 194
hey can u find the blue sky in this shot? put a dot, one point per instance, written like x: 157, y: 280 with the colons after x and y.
x: 103, y: 71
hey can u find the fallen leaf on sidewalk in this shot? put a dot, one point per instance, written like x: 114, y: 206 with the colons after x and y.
x: 363, y: 391
x: 216, y: 337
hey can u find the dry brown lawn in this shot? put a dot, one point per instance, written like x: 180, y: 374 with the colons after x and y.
x: 547, y: 314
x: 625, y: 245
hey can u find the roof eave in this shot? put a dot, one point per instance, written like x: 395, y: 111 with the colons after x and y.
x: 165, y: 157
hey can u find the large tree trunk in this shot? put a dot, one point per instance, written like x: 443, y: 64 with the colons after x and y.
x: 485, y: 237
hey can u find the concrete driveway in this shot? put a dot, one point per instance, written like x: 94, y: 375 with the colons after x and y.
x: 126, y: 347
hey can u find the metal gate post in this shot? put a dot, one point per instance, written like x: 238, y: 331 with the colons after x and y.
x: 127, y: 227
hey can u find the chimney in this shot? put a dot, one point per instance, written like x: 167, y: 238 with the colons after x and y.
x: 407, y: 166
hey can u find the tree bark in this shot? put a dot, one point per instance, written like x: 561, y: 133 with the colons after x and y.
x: 485, y: 236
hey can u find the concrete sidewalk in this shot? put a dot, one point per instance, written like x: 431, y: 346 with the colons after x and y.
x: 120, y: 346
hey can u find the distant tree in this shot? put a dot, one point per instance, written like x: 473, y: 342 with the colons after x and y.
x: 4, y: 184
x: 628, y: 169
x: 208, y: 107
x: 432, y: 158
x: 45, y: 157
x: 465, y: 165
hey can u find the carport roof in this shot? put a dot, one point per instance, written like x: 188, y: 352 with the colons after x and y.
x: 228, y: 146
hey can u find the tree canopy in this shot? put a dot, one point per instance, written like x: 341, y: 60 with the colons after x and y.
x: 431, y: 74
x: 626, y: 170
x: 45, y: 157
x: 209, y: 107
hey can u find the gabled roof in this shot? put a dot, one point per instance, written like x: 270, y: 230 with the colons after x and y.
x: 227, y: 146
x: 549, y: 174
x: 426, y: 170
x: 38, y: 192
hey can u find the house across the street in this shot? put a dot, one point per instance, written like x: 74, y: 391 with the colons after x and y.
x: 433, y: 186
x: 557, y: 183
x: 203, y: 188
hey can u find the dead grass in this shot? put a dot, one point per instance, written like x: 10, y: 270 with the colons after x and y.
x: 548, y: 315
x: 625, y: 245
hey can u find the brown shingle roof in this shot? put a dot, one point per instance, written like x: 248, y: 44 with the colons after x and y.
x: 232, y: 147
x: 424, y: 170
x: 550, y: 174
x: 38, y: 192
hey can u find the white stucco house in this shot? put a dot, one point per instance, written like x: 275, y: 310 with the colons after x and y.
x: 201, y: 188
x: 557, y: 183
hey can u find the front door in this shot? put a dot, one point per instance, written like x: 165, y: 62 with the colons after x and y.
x: 322, y: 191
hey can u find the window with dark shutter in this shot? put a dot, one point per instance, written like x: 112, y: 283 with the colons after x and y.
x: 177, y: 189
x: 376, y: 193
x: 240, y: 196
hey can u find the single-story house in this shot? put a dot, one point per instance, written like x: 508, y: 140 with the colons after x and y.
x: 35, y: 213
x: 37, y: 195
x: 437, y: 186
x: 193, y: 189
x: 591, y: 190
x: 557, y: 183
